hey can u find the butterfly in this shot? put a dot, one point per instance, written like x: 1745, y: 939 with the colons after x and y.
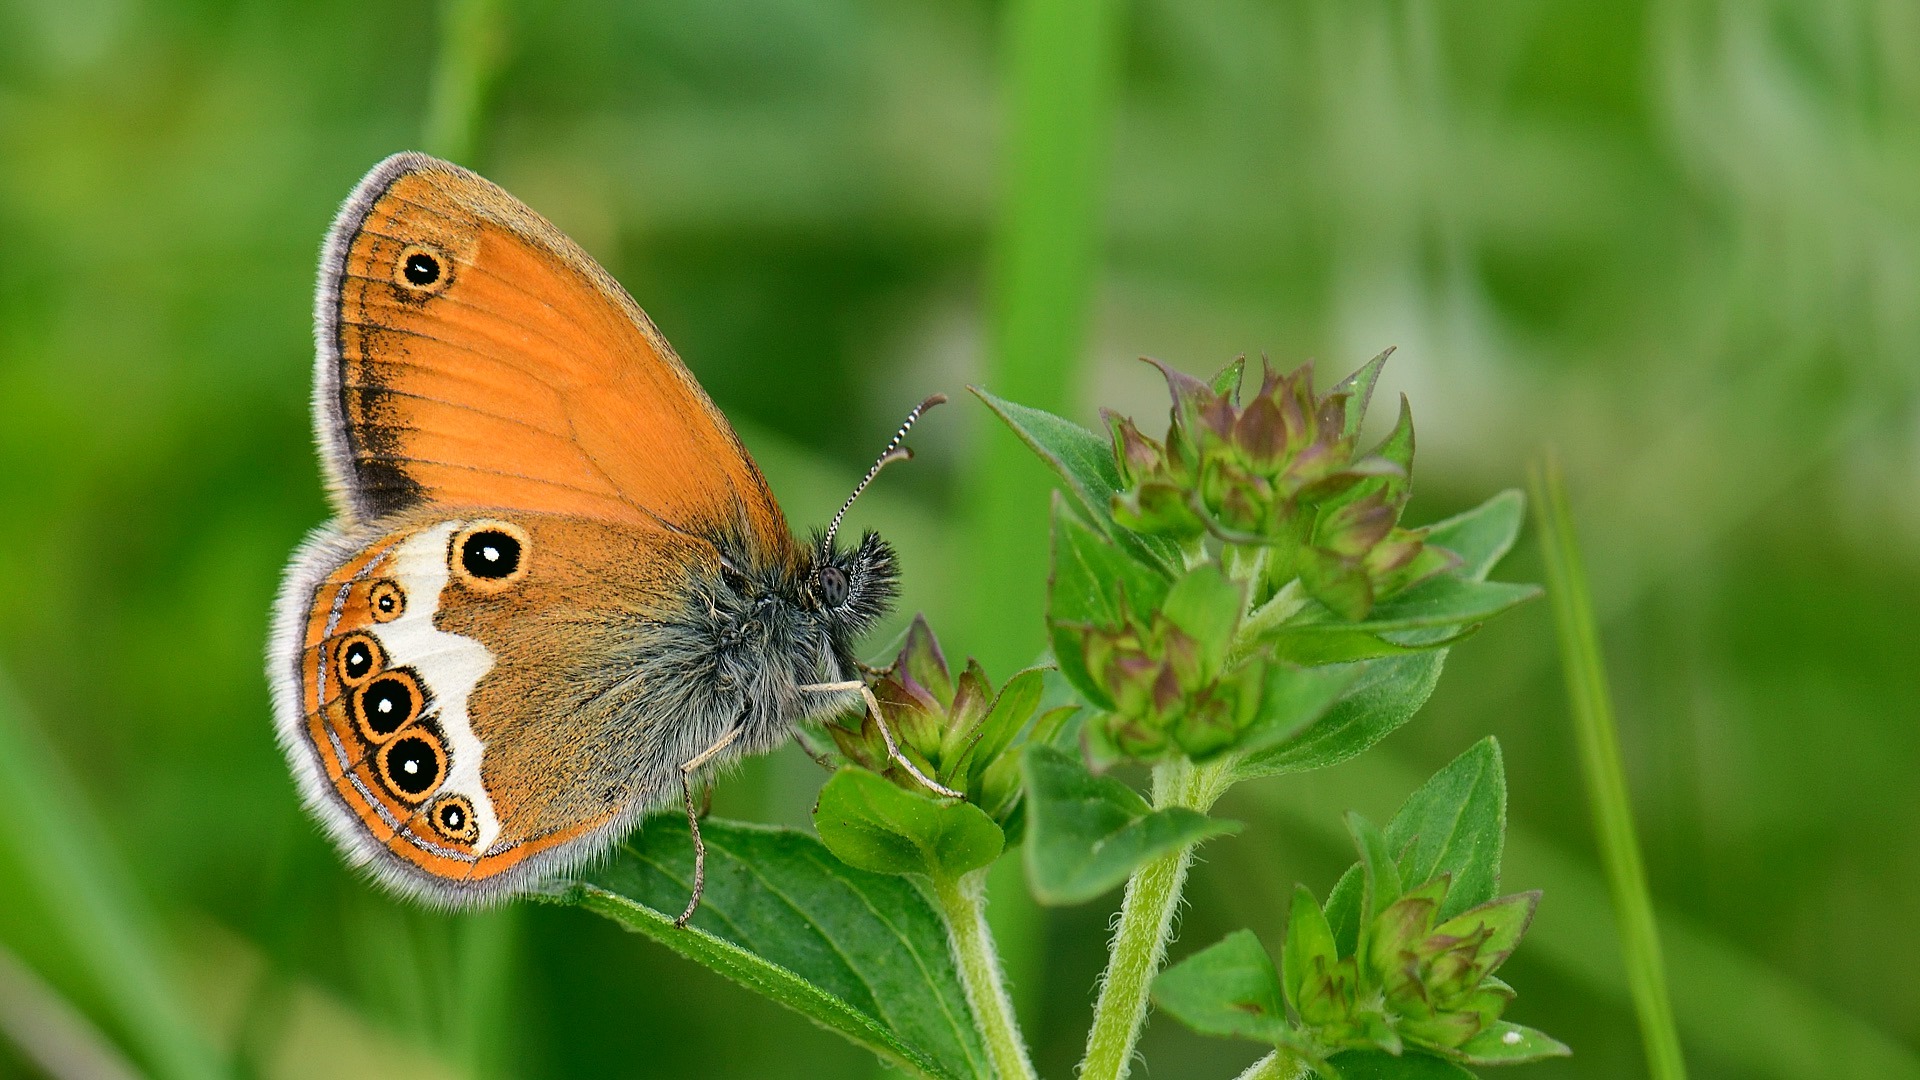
x: 556, y: 586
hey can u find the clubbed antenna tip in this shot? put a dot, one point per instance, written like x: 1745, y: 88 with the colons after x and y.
x: 894, y: 452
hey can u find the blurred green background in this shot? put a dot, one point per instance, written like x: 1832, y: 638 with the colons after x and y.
x: 1679, y: 240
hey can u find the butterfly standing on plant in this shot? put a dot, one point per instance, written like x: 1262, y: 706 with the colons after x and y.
x: 556, y: 583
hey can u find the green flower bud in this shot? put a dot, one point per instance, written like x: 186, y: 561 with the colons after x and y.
x: 1280, y: 471
x: 958, y: 731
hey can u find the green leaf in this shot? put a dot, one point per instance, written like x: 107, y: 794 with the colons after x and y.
x: 1011, y: 710
x: 1444, y: 601
x: 1227, y: 382
x: 1207, y: 605
x: 1090, y: 578
x: 1087, y: 833
x: 1380, y: 1065
x: 1359, y: 386
x: 1085, y: 461
x: 870, y: 823
x: 1483, y: 535
x: 861, y: 954
x: 1397, y: 447
x: 1293, y: 698
x: 1333, y: 644
x: 1511, y: 1044
x: 1456, y: 824
x: 1308, y: 936
x: 1379, y: 873
x: 1227, y: 989
x: 1343, y: 910
x: 1384, y: 696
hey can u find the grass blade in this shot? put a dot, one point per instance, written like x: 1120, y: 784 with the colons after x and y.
x: 472, y: 48
x: 1606, y: 780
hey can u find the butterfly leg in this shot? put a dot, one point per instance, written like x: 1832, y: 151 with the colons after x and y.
x: 893, y: 748
x: 693, y: 822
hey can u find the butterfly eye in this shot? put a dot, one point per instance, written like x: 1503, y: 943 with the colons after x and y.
x: 420, y: 270
x: 833, y: 586
x: 412, y: 765
x: 452, y: 817
x: 489, y: 556
x: 387, y: 704
x: 357, y: 656
x: 387, y: 601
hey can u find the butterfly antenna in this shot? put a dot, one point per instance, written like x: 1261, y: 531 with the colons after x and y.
x: 894, y: 452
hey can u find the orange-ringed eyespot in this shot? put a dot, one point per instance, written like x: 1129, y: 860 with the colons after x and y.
x: 387, y: 601
x: 386, y: 704
x: 490, y: 554
x: 452, y: 817
x: 358, y: 656
x: 420, y: 269
x: 413, y: 765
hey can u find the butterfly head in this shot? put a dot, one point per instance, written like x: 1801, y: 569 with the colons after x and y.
x: 855, y: 587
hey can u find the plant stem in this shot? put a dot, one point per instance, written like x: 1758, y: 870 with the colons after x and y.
x: 963, y: 907
x: 1062, y: 58
x: 1275, y: 1067
x: 472, y: 46
x: 1605, y: 777
x: 1146, y: 925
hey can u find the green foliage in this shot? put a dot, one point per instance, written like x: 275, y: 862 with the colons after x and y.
x: 958, y: 730
x: 1202, y: 644
x: 1454, y: 825
x: 859, y: 953
x: 1401, y: 961
x: 1228, y: 989
x: 876, y: 826
x: 1083, y: 461
x: 1087, y: 833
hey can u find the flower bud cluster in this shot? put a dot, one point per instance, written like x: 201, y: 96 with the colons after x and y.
x: 1169, y: 691
x: 1415, y: 980
x: 1280, y: 474
x: 957, y: 731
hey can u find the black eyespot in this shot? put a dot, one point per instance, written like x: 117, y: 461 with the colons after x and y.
x: 388, y: 601
x: 412, y: 765
x: 833, y: 586
x: 421, y: 269
x: 386, y: 705
x: 490, y: 554
x: 452, y: 818
x: 358, y: 656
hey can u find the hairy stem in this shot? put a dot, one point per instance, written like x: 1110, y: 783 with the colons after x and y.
x: 1276, y: 1066
x: 1146, y: 925
x: 963, y: 906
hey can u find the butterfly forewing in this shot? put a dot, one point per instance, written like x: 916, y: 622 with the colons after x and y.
x: 471, y: 355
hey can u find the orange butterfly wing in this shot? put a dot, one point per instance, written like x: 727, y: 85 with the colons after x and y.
x: 472, y: 355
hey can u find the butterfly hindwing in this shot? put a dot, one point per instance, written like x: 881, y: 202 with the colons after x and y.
x: 476, y: 699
